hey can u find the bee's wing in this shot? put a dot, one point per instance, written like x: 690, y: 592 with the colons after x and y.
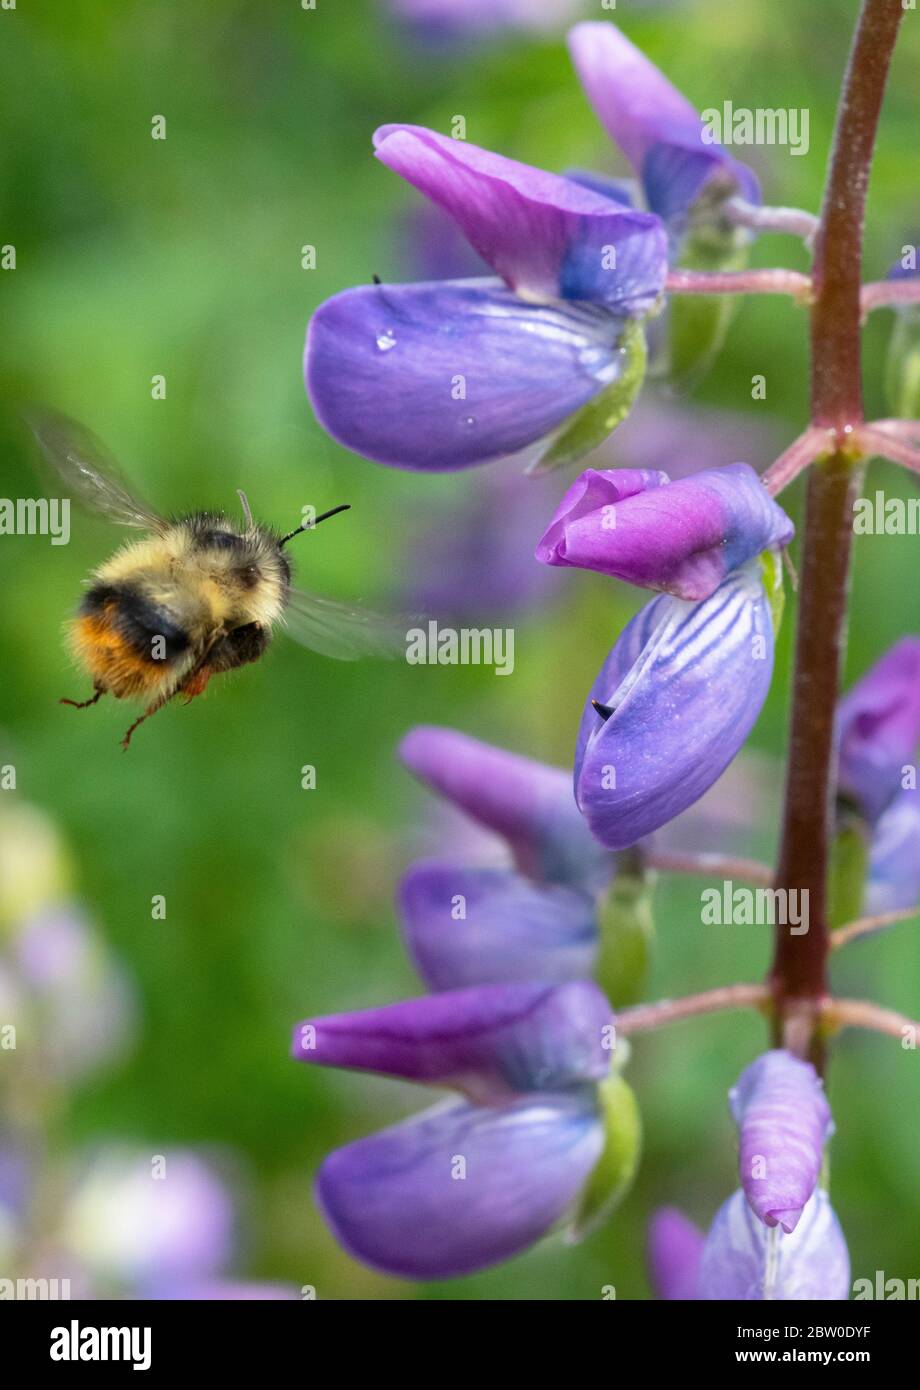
x: 86, y: 467
x: 344, y: 631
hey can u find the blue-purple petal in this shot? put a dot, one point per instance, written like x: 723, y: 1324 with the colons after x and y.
x: 461, y: 1187
x: 511, y: 929
x: 783, y: 1121
x: 683, y: 538
x: 526, y: 802
x: 491, y: 1041
x: 453, y: 373
x: 743, y: 1260
x: 547, y: 236
x: 686, y: 683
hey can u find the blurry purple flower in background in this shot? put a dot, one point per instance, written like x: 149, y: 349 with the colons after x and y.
x: 160, y: 1226
x: 69, y: 999
x: 471, y: 558
x: 447, y: 21
x: 675, y: 1246
x: 684, y: 439
x: 78, y: 1006
x: 469, y: 1182
x: 136, y: 1219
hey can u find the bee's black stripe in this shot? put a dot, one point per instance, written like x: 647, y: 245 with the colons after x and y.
x: 138, y: 620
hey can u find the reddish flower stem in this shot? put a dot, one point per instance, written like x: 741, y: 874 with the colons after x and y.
x: 739, y: 282
x: 799, y: 973
x: 880, y: 294
x: 643, y: 1017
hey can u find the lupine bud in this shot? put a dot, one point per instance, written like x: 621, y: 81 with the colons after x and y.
x: 783, y: 1121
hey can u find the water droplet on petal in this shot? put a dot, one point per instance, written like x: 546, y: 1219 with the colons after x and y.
x: 386, y: 340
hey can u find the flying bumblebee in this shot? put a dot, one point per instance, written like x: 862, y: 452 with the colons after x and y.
x: 198, y: 596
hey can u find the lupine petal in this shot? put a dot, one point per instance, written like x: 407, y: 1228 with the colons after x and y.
x: 686, y: 682
x: 744, y: 1260
x: 548, y: 237
x: 783, y: 1121
x: 675, y: 1246
x: 654, y: 125
x: 491, y: 1041
x: 460, y: 1187
x: 454, y: 372
x: 894, y: 856
x: 683, y: 538
x: 511, y: 929
x: 878, y: 728
x: 529, y: 804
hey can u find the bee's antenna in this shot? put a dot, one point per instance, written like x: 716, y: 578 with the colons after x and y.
x: 308, y: 525
x: 244, y: 502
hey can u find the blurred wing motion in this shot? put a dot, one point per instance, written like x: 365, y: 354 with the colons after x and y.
x: 344, y: 631
x: 89, y: 471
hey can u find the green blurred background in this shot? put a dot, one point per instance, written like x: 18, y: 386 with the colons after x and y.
x: 138, y: 257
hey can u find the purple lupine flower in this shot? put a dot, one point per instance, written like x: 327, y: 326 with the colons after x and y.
x: 448, y: 374
x: 878, y: 728
x: 475, y: 926
x: 894, y: 856
x: 654, y: 125
x: 745, y: 1260
x: 464, y: 1185
x: 526, y: 802
x: 783, y: 1121
x: 675, y: 1247
x: 683, y: 538
x: 672, y: 705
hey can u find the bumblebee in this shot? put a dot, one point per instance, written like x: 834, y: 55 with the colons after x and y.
x: 199, y: 595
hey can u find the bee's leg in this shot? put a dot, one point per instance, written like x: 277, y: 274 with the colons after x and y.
x: 151, y: 709
x: 85, y: 704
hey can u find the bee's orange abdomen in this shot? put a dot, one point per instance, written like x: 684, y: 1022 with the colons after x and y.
x: 113, y: 662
